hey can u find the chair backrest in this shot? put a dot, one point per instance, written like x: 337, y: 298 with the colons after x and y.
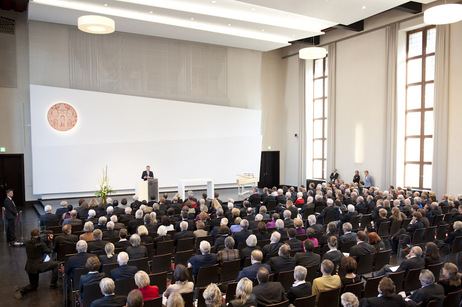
x: 365, y: 220
x: 185, y: 244
x: 271, y: 205
x: 435, y: 303
x: 247, y: 262
x: 124, y: 286
x: 405, y: 223
x: 329, y: 298
x: 92, y: 292
x: 281, y: 304
x: 207, y: 275
x: 155, y: 302
x: 183, y: 257
x: 345, y: 247
x: 150, y: 249
x: 453, y: 299
x: 397, y: 278
x: 307, y: 301
x: 370, y: 289
x: 365, y: 264
x: 330, y: 217
x: 418, y: 236
x: 188, y: 299
x: 63, y: 250
x: 395, y: 226
x: 78, y: 272
x: 230, y: 270
x: 311, y: 273
x: 436, y: 269
x: 456, y: 245
x: 301, y: 237
x: 200, y: 296
x: 141, y: 264
x: 381, y: 259
x: 384, y: 228
x: 441, y: 232
x: 231, y: 291
x: 438, y: 219
x: 165, y: 247
x: 108, y: 267
x: 429, y: 235
x: 159, y: 280
x: 161, y: 263
x: 286, y: 278
x: 412, y: 281
x: 355, y: 288
x: 262, y: 243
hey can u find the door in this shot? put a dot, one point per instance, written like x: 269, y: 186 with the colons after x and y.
x: 269, y: 169
x: 12, y: 177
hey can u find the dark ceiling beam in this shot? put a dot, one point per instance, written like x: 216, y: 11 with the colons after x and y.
x: 16, y: 5
x: 356, y: 27
x: 313, y: 41
x: 410, y: 7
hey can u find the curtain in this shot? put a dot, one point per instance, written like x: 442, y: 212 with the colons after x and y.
x: 302, y: 129
x: 331, y: 115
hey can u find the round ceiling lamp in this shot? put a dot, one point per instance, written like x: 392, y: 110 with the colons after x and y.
x: 443, y: 14
x: 312, y: 53
x: 96, y: 24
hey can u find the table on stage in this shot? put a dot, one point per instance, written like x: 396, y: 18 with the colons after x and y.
x: 194, y: 182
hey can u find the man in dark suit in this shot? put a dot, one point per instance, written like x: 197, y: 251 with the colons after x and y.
x: 334, y: 175
x: 293, y: 242
x: 293, y: 210
x: 300, y: 288
x: 347, y: 236
x: 204, y: 260
x: 273, y: 247
x: 452, y: 236
x: 107, y: 287
x: 283, y: 262
x: 36, y: 249
x: 267, y: 292
x: 11, y: 214
x: 184, y: 233
x: 288, y: 221
x: 124, y: 270
x: 251, y: 271
x: 66, y: 238
x: 73, y: 220
x: 429, y: 291
x: 147, y: 174
x: 98, y: 244
x: 318, y: 228
x: 49, y: 219
x: 362, y: 247
x: 242, y: 235
x: 255, y: 197
x: 79, y: 260
x: 127, y: 216
x: 414, y: 261
x: 138, y: 221
x: 111, y: 233
x: 123, y: 242
x: 386, y: 298
x: 308, y: 258
x: 330, y: 207
x: 93, y: 276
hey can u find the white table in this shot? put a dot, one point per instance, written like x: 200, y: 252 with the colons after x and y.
x: 183, y: 183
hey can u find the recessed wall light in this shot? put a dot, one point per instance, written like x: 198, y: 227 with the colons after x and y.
x: 363, y: 7
x: 229, y: 25
x: 214, y: 2
x: 263, y: 30
x: 150, y: 12
x: 105, y: 4
x: 192, y: 18
x: 252, y: 9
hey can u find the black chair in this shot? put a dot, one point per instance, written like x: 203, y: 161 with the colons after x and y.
x: 355, y: 288
x: 230, y: 270
x: 159, y: 280
x: 370, y: 289
x: 200, y: 296
x: 412, y: 281
x: 207, y: 275
x: 92, y: 292
x: 161, y: 263
x: 124, y: 286
x: 241, y: 246
x: 456, y: 248
x: 435, y: 303
x: 141, y: 264
x: 441, y: 232
x: 286, y: 278
x: 329, y: 298
x: 150, y: 248
x: 453, y: 299
x: 271, y: 205
x: 365, y: 220
x: 438, y: 219
x: 301, y: 237
x: 281, y: 304
x: 429, y: 235
x: 63, y: 250
x: 165, y: 247
x: 188, y: 299
x: 395, y: 226
x: 311, y: 273
x: 384, y: 229
x: 365, y: 264
x: 183, y: 257
x: 436, y: 269
x: 231, y: 291
x: 307, y: 301
x: 354, y: 221
x: 185, y: 244
x: 381, y: 259
x: 330, y: 217
x: 398, y: 279
x: 345, y: 247
x: 155, y: 302
x: 247, y: 262
x: 262, y: 243
x: 107, y: 268
x: 78, y: 272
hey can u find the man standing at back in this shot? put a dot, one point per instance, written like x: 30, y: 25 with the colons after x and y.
x: 11, y: 214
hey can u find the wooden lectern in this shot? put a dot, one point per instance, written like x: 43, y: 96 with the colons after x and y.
x: 246, y: 179
x: 146, y: 188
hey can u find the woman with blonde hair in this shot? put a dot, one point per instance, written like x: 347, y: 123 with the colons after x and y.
x: 396, y: 215
x: 175, y: 300
x: 244, y: 296
x: 348, y: 299
x: 213, y: 297
x: 451, y: 281
x: 110, y: 257
x: 142, y: 282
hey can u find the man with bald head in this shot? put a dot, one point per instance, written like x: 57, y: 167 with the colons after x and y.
x: 73, y: 220
x: 282, y: 262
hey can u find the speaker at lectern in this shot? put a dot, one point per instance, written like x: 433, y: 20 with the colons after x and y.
x: 146, y: 188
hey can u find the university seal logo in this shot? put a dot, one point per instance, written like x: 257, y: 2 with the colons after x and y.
x: 62, y: 117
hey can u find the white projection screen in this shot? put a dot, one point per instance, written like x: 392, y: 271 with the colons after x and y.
x: 179, y: 140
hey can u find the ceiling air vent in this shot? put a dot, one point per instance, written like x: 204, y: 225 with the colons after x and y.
x: 7, y: 25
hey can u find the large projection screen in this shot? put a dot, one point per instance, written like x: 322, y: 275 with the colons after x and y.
x: 179, y: 140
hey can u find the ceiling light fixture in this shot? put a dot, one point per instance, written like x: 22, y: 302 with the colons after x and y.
x: 95, y: 24
x: 443, y: 14
x: 312, y: 53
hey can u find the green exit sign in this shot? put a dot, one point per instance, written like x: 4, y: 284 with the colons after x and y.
x: 2, y: 149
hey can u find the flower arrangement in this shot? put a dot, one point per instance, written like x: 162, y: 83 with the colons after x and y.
x: 104, y: 189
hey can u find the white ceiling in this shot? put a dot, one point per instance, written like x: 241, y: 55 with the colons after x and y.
x: 252, y: 24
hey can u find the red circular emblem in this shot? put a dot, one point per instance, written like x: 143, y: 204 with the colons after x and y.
x: 62, y: 117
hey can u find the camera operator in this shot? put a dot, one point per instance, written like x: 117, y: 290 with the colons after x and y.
x: 36, y: 250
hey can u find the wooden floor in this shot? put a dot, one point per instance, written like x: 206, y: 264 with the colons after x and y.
x: 12, y: 273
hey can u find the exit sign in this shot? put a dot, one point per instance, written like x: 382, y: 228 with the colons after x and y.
x: 2, y: 149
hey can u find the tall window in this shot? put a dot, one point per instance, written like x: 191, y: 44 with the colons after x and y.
x: 420, y: 79
x: 319, y: 118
